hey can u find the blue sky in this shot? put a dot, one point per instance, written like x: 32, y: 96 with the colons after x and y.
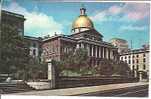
x: 129, y: 21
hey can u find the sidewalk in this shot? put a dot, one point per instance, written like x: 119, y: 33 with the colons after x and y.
x: 81, y: 90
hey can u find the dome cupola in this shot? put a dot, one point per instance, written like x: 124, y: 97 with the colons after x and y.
x: 82, y: 23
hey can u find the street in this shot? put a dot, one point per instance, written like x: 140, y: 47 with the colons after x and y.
x: 141, y: 91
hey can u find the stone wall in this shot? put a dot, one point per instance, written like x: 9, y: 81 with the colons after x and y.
x: 66, y: 82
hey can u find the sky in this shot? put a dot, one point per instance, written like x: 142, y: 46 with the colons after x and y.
x: 129, y: 21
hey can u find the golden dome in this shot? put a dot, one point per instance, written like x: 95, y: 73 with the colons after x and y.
x: 82, y: 21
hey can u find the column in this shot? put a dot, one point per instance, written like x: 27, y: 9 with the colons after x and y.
x: 92, y: 50
x: 100, y: 52
x: 88, y: 49
x: 111, y: 54
x: 96, y: 51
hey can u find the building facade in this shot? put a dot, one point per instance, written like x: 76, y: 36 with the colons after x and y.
x: 121, y: 44
x: 14, y: 20
x: 34, y: 46
x: 84, y: 35
x: 17, y: 21
x: 138, y: 61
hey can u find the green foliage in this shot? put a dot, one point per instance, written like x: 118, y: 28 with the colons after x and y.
x: 111, y: 67
x: 15, y: 58
x: 37, y: 70
x: 14, y: 50
x: 122, y: 69
x: 76, y: 62
x: 105, y: 67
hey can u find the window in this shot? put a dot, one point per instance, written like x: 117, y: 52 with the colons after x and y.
x: 20, y: 31
x: 34, y: 52
x: 144, y: 67
x: 144, y: 60
x: 137, y: 67
x: 129, y: 61
x: 129, y: 56
x: 133, y: 67
x: 137, y: 61
x: 144, y: 55
x: 137, y: 56
x: 133, y: 56
x: 125, y: 57
x: 34, y: 44
x: 133, y: 61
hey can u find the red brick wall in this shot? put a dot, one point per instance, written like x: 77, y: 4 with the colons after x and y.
x: 55, y: 48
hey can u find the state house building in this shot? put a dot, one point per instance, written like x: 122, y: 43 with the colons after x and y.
x: 84, y: 35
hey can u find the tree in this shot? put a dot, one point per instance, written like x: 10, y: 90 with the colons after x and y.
x: 74, y: 61
x: 14, y: 50
x: 110, y: 67
x: 36, y: 70
x: 15, y: 58
x: 122, y: 68
x: 105, y: 67
x: 80, y: 59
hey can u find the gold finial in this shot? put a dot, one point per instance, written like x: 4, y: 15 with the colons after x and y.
x: 82, y: 10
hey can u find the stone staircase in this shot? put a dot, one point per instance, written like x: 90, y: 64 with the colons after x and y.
x: 7, y: 88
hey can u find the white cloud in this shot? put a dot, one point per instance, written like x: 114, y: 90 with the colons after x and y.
x: 101, y: 16
x: 133, y: 28
x: 40, y: 24
x: 130, y: 12
x: 136, y: 11
x: 36, y: 24
x: 115, y: 9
